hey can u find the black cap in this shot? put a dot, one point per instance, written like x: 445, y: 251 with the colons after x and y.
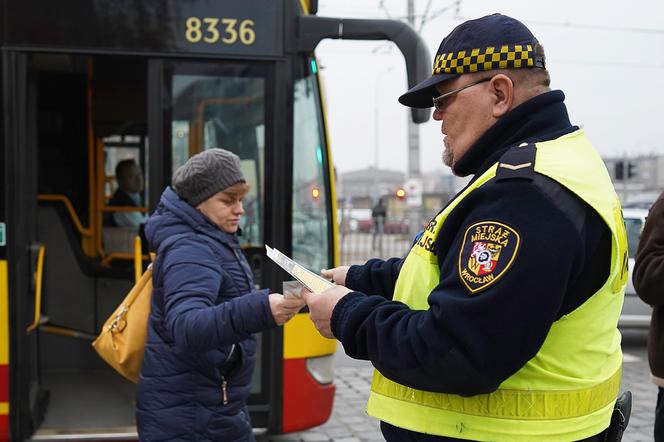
x: 492, y: 42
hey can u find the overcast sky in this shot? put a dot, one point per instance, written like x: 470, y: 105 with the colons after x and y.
x: 607, y: 56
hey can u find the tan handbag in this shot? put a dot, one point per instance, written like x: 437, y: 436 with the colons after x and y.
x: 122, y: 338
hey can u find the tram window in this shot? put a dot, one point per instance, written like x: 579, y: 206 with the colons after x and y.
x: 226, y: 111
x: 179, y: 143
x: 310, y: 206
x: 112, y: 156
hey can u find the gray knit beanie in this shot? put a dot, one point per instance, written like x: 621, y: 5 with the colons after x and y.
x: 205, y: 174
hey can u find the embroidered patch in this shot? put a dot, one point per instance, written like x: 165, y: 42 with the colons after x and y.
x: 488, y: 251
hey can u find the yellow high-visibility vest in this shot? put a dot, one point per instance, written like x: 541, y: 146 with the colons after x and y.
x: 567, y: 391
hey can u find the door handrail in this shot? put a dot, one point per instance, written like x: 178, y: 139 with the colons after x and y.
x: 124, y: 209
x: 70, y: 209
x: 123, y: 256
x: 38, y: 289
x: 138, y: 259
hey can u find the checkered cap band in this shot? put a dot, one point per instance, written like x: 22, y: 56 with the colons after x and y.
x: 487, y: 59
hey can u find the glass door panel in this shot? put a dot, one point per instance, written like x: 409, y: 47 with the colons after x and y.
x: 223, y: 106
x: 311, y: 183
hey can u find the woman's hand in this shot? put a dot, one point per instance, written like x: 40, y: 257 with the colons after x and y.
x: 337, y: 274
x: 283, y: 309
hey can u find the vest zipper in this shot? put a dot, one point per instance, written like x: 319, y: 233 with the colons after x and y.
x: 224, y: 390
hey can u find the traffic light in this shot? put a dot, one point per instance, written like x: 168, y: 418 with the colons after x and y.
x: 400, y: 193
x: 620, y: 170
x: 626, y: 170
x: 631, y: 170
x: 315, y: 193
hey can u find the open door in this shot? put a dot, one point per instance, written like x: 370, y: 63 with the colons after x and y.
x: 28, y: 399
x: 201, y: 105
x: 70, y: 120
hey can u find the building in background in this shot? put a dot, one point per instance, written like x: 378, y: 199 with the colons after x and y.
x: 638, y: 180
x: 364, y: 187
x: 359, y: 190
x: 438, y: 188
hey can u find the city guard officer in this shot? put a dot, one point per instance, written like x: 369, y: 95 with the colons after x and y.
x: 501, y: 322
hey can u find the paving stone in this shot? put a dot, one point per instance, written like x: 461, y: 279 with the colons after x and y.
x: 346, y: 411
x: 352, y: 419
x: 339, y: 432
x: 314, y: 437
x: 350, y: 423
x: 363, y: 428
x: 372, y: 437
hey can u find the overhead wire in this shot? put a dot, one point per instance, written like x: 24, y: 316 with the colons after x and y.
x: 612, y: 64
x: 424, y: 15
x: 598, y: 27
x: 428, y: 15
x: 652, y: 31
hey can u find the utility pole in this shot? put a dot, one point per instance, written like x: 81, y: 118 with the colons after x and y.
x: 413, y: 131
x: 625, y: 163
x: 414, y: 183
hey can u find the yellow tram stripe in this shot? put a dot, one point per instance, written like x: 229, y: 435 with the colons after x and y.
x: 4, y: 317
x: 302, y: 340
x: 4, y: 407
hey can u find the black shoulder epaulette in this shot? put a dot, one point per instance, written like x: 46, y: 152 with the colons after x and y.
x: 517, y: 162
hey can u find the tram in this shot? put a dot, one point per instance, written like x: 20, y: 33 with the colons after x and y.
x: 89, y: 83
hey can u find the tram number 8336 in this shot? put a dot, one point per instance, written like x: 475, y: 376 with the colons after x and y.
x: 207, y: 30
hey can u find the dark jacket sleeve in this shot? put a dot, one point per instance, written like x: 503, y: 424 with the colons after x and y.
x: 376, y: 277
x: 648, y: 274
x: 192, y: 277
x: 469, y: 343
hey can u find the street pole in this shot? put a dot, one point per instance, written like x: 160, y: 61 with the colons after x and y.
x: 416, y: 210
x: 413, y: 130
x: 625, y: 167
x: 376, y: 105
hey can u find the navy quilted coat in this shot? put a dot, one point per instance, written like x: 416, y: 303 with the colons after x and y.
x: 204, y: 309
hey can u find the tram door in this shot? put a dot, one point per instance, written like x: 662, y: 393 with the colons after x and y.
x: 77, y: 118
x: 73, y: 119
x: 72, y: 114
x: 204, y: 105
x: 28, y: 400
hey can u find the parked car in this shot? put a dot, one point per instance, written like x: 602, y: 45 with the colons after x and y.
x: 349, y: 219
x: 395, y: 226
x: 635, y: 312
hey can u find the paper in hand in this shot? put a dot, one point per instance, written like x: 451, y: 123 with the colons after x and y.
x: 291, y: 289
x: 309, y: 279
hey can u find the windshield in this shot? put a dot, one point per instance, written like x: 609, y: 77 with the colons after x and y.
x: 223, y: 106
x: 311, y: 215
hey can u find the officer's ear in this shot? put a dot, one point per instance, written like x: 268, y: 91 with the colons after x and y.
x: 502, y: 89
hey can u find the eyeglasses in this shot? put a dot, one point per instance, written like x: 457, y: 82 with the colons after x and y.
x: 439, y: 102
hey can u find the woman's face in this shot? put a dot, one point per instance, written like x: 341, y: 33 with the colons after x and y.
x: 224, y: 209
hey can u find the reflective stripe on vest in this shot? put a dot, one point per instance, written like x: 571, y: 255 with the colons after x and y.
x: 512, y: 404
x: 567, y: 390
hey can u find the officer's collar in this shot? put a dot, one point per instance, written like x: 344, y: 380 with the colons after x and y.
x: 543, y: 117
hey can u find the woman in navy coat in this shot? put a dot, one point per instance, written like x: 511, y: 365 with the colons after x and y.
x: 200, y: 351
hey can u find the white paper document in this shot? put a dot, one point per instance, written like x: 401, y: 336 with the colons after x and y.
x: 313, y: 282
